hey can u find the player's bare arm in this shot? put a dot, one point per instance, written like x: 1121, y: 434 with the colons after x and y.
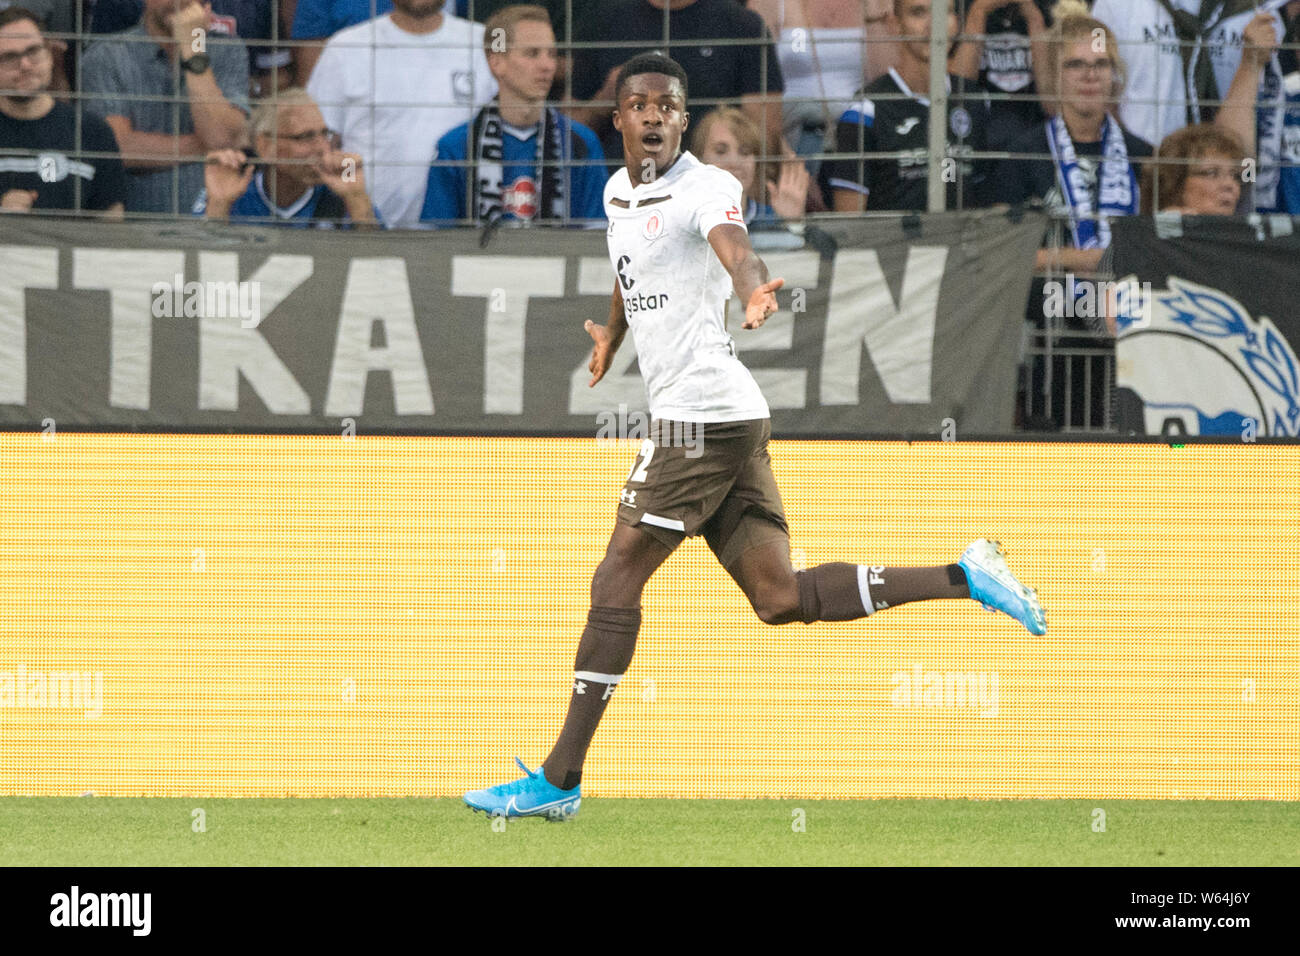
x: 608, y: 337
x: 748, y: 273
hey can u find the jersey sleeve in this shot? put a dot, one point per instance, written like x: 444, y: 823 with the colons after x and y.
x: 855, y: 133
x: 444, y: 194
x: 109, y: 185
x: 715, y: 200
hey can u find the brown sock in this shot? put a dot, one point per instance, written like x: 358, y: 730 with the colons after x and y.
x: 836, y: 591
x: 605, y: 651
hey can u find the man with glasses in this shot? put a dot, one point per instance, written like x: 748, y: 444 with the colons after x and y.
x: 298, y: 177
x: 43, y: 163
x: 171, y: 94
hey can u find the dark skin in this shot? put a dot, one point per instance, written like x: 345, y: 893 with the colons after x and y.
x: 652, y: 117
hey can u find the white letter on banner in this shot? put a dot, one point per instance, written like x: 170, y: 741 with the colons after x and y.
x: 900, y: 339
x: 508, y: 282
x: 782, y: 387
x: 25, y: 268
x: 378, y: 291
x: 227, y: 348
x: 619, y: 387
x: 130, y: 277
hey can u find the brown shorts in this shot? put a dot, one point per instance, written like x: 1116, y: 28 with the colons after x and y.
x: 688, y: 473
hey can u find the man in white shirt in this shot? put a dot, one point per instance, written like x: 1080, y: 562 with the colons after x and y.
x: 679, y: 247
x: 392, y: 86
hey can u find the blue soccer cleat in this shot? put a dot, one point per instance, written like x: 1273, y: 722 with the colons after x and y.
x: 994, y: 586
x: 533, y: 796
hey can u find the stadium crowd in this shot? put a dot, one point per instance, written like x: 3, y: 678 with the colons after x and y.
x: 433, y: 113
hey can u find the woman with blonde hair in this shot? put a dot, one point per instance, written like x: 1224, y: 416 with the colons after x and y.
x: 1090, y: 176
x: 728, y: 139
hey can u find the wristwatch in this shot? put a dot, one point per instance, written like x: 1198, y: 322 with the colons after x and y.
x: 198, y: 63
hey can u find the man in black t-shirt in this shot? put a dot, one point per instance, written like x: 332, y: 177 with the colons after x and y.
x: 42, y: 163
x: 728, y: 72
x: 893, y: 115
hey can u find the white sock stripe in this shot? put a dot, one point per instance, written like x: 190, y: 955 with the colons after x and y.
x: 595, y: 678
x: 864, y: 589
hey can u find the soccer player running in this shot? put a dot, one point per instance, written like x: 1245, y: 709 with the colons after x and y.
x: 678, y: 243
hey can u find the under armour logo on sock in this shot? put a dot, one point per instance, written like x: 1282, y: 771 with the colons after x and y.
x: 579, y: 687
x: 880, y: 606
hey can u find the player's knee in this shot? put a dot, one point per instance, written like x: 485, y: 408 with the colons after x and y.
x: 777, y: 605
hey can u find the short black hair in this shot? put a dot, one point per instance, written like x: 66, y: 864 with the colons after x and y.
x: 648, y: 63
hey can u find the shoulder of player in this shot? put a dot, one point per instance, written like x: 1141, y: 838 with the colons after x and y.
x: 709, y: 179
x: 618, y: 185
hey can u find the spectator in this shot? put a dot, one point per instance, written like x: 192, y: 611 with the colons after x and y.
x: 1001, y: 48
x: 43, y: 166
x: 728, y: 139
x: 1197, y: 170
x: 1090, y: 175
x: 299, y: 177
x: 249, y: 20
x: 822, y: 51
x: 392, y: 86
x: 528, y: 160
x: 747, y: 72
x: 1257, y: 114
x: 1280, y: 191
x: 1174, y: 84
x: 163, y: 124
x: 58, y: 17
x: 893, y: 116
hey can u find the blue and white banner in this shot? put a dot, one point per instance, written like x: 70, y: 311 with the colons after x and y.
x: 1208, y: 346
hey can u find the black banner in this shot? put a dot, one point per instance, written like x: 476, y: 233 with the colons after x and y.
x: 1208, y: 327
x: 887, y: 327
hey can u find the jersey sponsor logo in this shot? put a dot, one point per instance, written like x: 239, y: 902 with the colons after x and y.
x: 639, y: 302
x: 520, y: 198
x: 462, y: 86
x: 645, y: 303
x: 959, y: 122
x: 905, y: 127
x: 735, y: 215
x: 653, y: 227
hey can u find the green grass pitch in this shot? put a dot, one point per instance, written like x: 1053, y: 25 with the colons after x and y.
x: 96, y: 831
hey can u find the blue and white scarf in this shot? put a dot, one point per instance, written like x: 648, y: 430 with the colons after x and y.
x: 1117, y: 193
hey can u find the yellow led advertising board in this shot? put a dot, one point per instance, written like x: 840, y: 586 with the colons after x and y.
x: 219, y: 615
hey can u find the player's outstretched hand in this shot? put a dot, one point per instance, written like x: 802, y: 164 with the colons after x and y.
x: 762, y: 303
x: 602, y: 353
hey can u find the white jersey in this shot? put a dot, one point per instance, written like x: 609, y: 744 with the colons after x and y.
x: 393, y: 94
x: 1157, y: 91
x: 675, y: 291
